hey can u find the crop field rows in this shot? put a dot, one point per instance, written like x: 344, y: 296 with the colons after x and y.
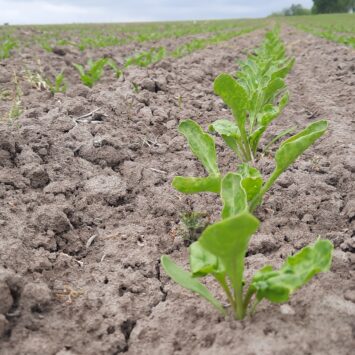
x: 339, y: 28
x: 138, y: 52
x: 108, y: 160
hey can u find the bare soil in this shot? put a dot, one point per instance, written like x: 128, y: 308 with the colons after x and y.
x: 87, y: 210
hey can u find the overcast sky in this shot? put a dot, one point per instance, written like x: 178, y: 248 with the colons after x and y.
x: 68, y: 11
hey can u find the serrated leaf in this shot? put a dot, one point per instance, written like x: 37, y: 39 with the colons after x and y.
x: 278, y: 285
x: 185, y: 279
x: 233, y: 195
x: 192, y: 185
x: 201, y: 144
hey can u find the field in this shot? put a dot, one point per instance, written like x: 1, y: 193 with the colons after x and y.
x: 88, y: 152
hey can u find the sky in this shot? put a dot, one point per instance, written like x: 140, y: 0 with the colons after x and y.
x: 73, y: 11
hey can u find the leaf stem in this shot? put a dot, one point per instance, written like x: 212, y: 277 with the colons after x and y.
x: 222, y: 281
x: 248, y: 297
x: 238, y: 288
x: 253, y: 204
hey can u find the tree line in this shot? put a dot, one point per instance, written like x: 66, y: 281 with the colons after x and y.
x: 319, y: 7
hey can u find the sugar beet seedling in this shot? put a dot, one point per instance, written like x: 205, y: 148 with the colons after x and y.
x: 220, y: 251
x: 95, y: 69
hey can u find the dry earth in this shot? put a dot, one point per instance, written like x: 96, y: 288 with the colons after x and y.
x: 87, y: 210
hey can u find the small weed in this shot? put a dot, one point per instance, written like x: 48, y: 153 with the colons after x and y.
x: 37, y: 80
x: 15, y: 109
x: 191, y: 225
x: 59, y: 84
x: 5, y: 95
x: 136, y: 88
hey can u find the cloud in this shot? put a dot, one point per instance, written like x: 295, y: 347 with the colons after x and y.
x: 68, y: 11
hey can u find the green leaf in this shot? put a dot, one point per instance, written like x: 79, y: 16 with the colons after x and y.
x: 277, y: 137
x: 272, y: 89
x: 202, y: 262
x: 233, y: 195
x: 278, y: 285
x: 282, y: 72
x: 234, y: 96
x: 79, y: 68
x: 269, y: 113
x: 252, y: 180
x: 186, y: 280
x: 201, y: 144
x: 192, y: 185
x: 228, y: 131
x: 224, y: 127
x: 293, y: 147
x: 289, y: 151
x: 228, y: 240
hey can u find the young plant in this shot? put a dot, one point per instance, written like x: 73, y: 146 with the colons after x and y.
x: 5, y: 48
x: 39, y: 81
x: 95, y: 69
x: 16, y: 104
x: 59, y: 84
x: 256, y: 97
x: 46, y: 45
x: 146, y: 58
x: 189, y: 47
x: 220, y: 251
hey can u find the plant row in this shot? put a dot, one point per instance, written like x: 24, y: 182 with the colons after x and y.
x: 143, y: 59
x: 96, y: 37
x: 256, y: 96
x: 94, y: 69
x: 333, y: 36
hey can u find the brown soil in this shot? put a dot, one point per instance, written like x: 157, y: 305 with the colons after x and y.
x: 87, y: 210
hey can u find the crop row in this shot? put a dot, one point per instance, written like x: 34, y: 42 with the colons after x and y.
x: 256, y: 95
x: 94, y: 69
x: 338, y: 28
x: 95, y: 37
x: 330, y: 35
x: 338, y: 23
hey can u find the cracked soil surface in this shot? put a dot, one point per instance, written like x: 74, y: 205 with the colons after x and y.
x: 87, y: 210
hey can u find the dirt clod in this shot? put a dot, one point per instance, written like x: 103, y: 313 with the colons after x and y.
x: 63, y: 181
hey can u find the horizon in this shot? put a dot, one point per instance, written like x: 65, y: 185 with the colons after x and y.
x: 47, y: 12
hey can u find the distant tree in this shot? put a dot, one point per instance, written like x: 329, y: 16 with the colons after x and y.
x: 293, y: 10
x: 331, y: 6
x: 296, y: 10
